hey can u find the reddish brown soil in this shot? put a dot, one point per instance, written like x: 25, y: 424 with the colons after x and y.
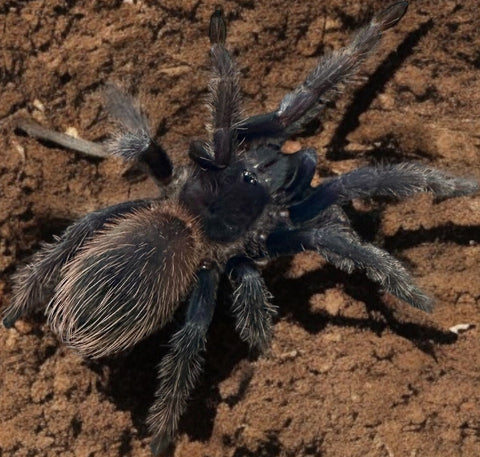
x: 351, y: 372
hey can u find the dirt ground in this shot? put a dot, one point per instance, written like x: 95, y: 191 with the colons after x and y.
x: 351, y: 372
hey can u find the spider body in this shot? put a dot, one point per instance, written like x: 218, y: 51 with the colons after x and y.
x: 120, y: 273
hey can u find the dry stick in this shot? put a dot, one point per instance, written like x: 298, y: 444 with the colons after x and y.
x: 35, y: 130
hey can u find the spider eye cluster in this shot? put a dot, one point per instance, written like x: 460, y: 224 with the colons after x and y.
x: 249, y: 177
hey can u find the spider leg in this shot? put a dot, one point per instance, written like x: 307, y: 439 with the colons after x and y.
x: 134, y: 141
x: 307, y: 100
x: 34, y: 284
x: 225, y: 93
x: 251, y: 303
x: 224, y: 101
x: 180, y: 368
x: 398, y: 180
x: 342, y: 247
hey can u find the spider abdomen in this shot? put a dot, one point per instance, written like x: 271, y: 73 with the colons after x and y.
x: 127, y: 281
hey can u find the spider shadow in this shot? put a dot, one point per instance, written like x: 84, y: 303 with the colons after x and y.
x: 132, y: 382
x: 296, y: 306
x: 293, y: 295
x: 449, y: 232
x: 366, y: 94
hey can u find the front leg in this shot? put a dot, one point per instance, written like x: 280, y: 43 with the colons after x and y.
x: 179, y: 370
x: 224, y: 102
x: 304, y: 103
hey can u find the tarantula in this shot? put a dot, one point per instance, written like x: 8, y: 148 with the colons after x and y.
x: 120, y: 273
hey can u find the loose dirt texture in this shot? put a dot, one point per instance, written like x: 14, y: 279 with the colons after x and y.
x: 351, y: 372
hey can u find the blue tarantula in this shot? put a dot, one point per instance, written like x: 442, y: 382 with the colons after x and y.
x: 120, y: 273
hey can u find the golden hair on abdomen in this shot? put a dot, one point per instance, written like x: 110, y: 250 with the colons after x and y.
x: 127, y: 281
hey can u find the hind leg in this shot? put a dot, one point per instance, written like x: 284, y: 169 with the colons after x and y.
x: 34, y: 284
x: 180, y: 368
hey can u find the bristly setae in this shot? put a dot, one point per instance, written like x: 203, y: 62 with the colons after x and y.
x: 120, y: 273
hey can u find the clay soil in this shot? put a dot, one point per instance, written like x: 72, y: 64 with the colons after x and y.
x: 351, y: 371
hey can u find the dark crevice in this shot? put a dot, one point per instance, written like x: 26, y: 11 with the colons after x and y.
x: 387, y: 149
x: 271, y: 447
x: 447, y: 233
x: 471, y: 60
x: 181, y: 13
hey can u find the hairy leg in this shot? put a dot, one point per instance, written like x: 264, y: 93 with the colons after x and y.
x: 180, y: 368
x: 399, y: 180
x: 224, y: 102
x: 341, y: 247
x: 251, y: 306
x: 34, y: 284
x: 134, y: 141
x: 307, y: 100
